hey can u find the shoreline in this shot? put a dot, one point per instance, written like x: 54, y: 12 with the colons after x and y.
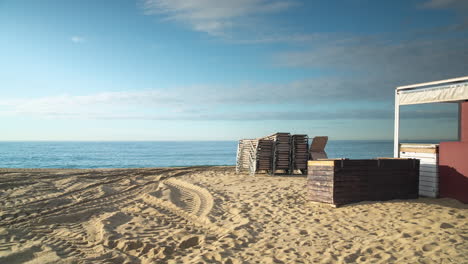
x: 98, y: 169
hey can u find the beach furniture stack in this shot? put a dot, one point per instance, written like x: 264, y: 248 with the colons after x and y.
x: 247, y: 156
x: 299, y: 155
x: 277, y: 153
x: 281, y: 153
x: 344, y: 181
x: 265, y: 155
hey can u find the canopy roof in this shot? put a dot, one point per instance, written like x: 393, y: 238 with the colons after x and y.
x: 451, y: 90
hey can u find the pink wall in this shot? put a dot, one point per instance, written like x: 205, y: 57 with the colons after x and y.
x: 453, y: 163
x: 453, y: 170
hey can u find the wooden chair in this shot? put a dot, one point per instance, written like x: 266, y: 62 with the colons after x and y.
x: 317, y: 148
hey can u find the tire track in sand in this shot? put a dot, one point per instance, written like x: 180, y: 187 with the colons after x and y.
x: 200, y: 201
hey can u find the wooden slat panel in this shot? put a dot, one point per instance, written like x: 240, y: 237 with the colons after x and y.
x: 321, y: 193
x: 432, y: 194
x: 319, y: 178
x: 434, y: 185
x: 431, y: 174
x: 321, y: 163
x: 428, y: 168
x: 419, y: 155
x: 428, y: 161
x: 322, y: 168
x: 321, y: 172
x: 360, y: 163
x: 431, y: 180
x: 320, y: 183
x: 418, y: 150
x: 428, y: 175
x: 427, y: 189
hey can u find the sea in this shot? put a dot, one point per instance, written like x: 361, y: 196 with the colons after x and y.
x: 135, y: 154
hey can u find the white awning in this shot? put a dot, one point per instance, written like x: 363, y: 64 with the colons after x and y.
x: 437, y: 94
x: 451, y: 90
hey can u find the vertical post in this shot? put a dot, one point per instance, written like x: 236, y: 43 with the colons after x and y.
x: 237, y: 156
x: 396, y: 137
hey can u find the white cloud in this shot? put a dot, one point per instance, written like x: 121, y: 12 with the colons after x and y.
x: 78, y: 39
x: 383, y: 62
x: 154, y: 105
x: 212, y: 16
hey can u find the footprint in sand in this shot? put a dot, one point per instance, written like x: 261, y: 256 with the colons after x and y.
x: 429, y: 247
x: 446, y: 225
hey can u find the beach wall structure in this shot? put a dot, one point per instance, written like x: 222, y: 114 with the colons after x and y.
x: 428, y: 156
x: 453, y: 162
x: 339, y: 182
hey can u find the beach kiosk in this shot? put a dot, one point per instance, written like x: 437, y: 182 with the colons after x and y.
x: 444, y: 166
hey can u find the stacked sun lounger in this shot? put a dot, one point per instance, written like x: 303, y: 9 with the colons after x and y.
x: 282, y: 152
x: 300, y: 155
x: 279, y: 153
x: 265, y: 155
x: 317, y: 148
x: 246, y: 155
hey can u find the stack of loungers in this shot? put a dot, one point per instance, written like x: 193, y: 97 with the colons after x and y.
x: 299, y: 155
x: 282, y: 153
x: 278, y: 153
x: 264, y: 154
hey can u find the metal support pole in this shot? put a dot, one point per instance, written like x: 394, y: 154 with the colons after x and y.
x: 396, y: 137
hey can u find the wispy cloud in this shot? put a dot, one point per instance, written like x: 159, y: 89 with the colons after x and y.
x: 212, y: 16
x: 78, y: 39
x: 183, y: 105
x: 376, y: 64
x: 436, y: 4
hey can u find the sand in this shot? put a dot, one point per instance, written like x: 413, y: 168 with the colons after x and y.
x: 212, y: 215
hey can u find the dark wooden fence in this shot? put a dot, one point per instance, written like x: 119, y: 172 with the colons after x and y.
x: 346, y: 181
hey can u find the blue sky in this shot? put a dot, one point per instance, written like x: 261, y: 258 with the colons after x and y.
x: 224, y: 70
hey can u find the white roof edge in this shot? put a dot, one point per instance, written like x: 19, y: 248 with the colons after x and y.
x: 418, y: 145
x: 464, y: 78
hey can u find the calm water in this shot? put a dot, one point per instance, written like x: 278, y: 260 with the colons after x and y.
x: 153, y: 154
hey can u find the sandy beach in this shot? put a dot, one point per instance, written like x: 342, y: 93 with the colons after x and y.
x: 212, y: 215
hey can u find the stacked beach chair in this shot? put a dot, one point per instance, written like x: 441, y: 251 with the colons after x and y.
x: 317, y: 148
x: 247, y: 156
x: 300, y: 155
x: 279, y: 153
x: 264, y: 155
